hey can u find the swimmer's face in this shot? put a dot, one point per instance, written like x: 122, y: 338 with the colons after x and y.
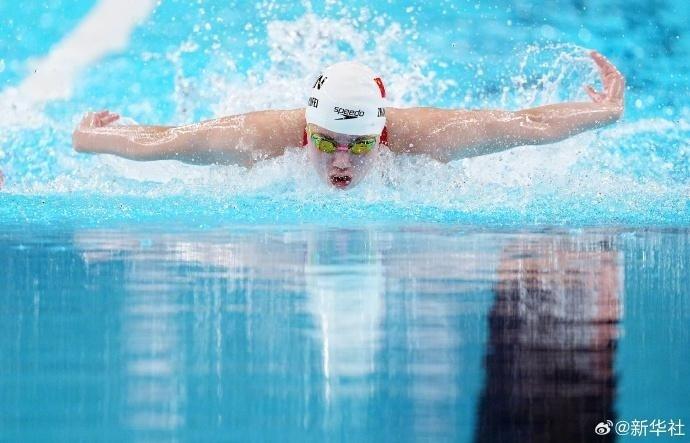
x: 343, y: 168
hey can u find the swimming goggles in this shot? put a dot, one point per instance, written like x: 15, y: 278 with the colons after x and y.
x: 360, y: 146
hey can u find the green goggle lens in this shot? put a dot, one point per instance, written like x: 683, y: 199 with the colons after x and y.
x: 324, y: 145
x: 358, y: 147
x: 362, y: 146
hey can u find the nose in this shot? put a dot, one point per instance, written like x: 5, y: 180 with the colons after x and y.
x: 341, y: 158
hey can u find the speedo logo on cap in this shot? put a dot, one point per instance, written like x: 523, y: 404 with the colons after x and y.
x: 348, y: 114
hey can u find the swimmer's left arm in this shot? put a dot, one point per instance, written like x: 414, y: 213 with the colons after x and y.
x: 452, y: 134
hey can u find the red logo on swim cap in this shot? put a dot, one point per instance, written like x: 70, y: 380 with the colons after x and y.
x: 379, y: 83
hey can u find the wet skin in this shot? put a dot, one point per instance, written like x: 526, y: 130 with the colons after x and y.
x: 341, y: 169
x: 443, y: 134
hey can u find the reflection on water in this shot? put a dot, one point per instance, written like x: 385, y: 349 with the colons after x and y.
x: 553, y: 332
x: 313, y: 334
x: 344, y: 290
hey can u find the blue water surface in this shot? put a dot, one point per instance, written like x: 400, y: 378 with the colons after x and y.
x: 270, y: 333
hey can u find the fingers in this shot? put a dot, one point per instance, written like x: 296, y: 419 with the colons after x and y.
x: 108, y: 119
x: 602, y: 62
x: 617, y: 89
x: 98, y: 119
x: 101, y: 118
x: 597, y: 97
x: 612, y: 79
x: 607, y: 70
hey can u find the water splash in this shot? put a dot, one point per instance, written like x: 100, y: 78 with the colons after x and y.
x: 633, y: 172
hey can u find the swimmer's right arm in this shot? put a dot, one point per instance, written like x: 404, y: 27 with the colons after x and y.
x: 240, y: 139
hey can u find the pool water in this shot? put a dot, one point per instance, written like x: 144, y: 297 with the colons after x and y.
x: 524, y: 296
x: 379, y: 334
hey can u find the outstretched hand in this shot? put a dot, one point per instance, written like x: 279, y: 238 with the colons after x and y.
x: 612, y: 80
x: 90, y: 121
x: 97, y: 119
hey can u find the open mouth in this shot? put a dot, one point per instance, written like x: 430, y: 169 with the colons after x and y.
x: 341, y: 180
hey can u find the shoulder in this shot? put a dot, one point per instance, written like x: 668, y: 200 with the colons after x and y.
x: 410, y: 128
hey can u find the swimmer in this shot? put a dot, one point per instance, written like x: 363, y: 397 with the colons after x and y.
x: 346, y: 121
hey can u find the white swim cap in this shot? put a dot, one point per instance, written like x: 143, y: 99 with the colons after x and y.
x: 348, y: 98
